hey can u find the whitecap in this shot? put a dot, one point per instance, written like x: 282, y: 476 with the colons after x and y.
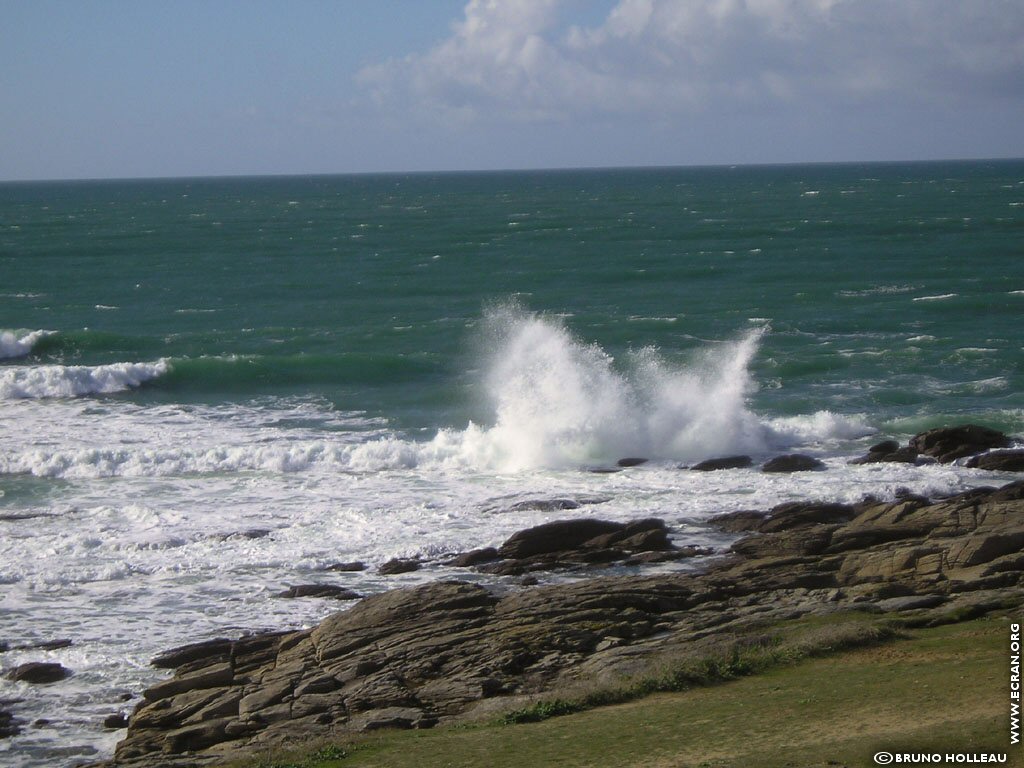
x: 938, y: 297
x: 19, y: 343
x: 32, y: 382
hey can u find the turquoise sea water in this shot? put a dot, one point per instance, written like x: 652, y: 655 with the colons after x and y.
x: 888, y: 289
x: 369, y: 366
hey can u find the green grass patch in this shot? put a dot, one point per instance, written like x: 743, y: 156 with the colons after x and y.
x: 807, y: 693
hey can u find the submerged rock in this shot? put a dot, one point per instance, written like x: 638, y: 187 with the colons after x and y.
x: 320, y: 590
x: 9, y: 724
x: 793, y: 462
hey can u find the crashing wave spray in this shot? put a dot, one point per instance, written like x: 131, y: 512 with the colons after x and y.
x: 19, y: 343
x: 561, y: 402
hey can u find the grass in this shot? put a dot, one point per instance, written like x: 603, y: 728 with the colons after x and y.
x: 813, y: 693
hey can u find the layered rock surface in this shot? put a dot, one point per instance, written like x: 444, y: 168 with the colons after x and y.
x: 416, y: 657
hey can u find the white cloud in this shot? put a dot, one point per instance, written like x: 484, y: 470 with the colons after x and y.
x: 519, y: 59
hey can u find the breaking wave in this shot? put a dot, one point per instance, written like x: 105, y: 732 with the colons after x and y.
x: 47, y: 381
x: 19, y: 343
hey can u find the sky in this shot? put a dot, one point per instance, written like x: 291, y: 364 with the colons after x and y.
x: 149, y: 88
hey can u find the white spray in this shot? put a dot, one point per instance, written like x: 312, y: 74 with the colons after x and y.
x: 560, y: 402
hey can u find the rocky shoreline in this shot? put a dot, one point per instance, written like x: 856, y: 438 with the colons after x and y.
x: 417, y: 657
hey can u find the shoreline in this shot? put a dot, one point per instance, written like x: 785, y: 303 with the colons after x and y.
x: 448, y: 650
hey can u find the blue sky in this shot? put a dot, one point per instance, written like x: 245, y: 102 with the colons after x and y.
x: 139, y: 88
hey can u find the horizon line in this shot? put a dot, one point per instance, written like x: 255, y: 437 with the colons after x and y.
x: 468, y: 171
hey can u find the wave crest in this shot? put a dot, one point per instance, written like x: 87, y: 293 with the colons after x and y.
x: 46, y: 381
x: 19, y: 343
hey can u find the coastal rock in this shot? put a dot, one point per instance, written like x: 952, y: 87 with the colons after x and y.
x: 544, y: 505
x: 890, y: 452
x: 738, y: 522
x: 886, y: 446
x: 116, y: 721
x: 999, y: 461
x: 332, y: 591
x: 38, y: 673
x: 473, y: 557
x: 347, y: 567
x: 9, y: 724
x: 568, y: 544
x: 947, y: 444
x: 556, y: 536
x: 208, y: 650
x: 41, y: 645
x: 630, y: 461
x: 725, y: 462
x: 793, y: 462
x: 399, y: 565
x: 414, y: 657
x: 799, y: 514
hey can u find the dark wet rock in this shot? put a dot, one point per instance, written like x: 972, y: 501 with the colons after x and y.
x: 905, y: 455
x: 793, y: 462
x: 571, y: 545
x: 725, y: 462
x: 412, y: 657
x: 886, y: 446
x: 347, y: 567
x: 9, y: 725
x: 332, y: 591
x: 15, y: 517
x: 41, y: 645
x: 473, y: 557
x: 947, y: 444
x: 566, y: 536
x: 46, y: 645
x: 630, y: 462
x: 38, y: 672
x: 999, y: 461
x: 116, y: 721
x: 556, y: 536
x: 399, y: 565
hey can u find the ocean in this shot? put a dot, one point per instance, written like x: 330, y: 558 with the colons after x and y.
x: 213, y: 389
